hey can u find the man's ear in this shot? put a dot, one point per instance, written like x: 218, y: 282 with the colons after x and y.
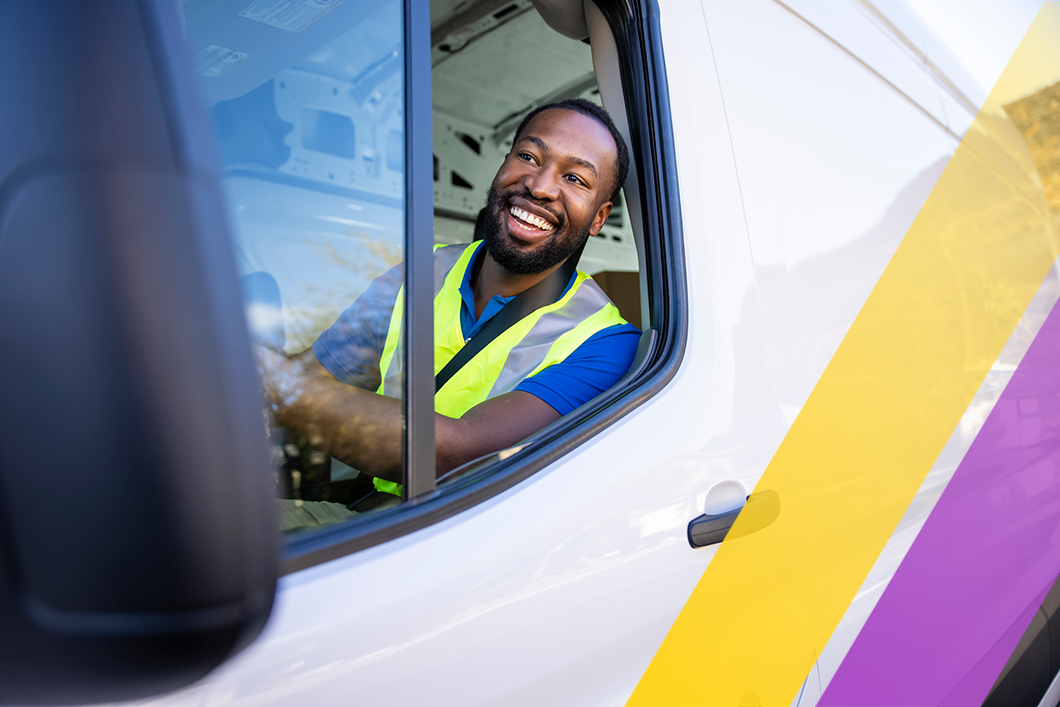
x: 601, y: 215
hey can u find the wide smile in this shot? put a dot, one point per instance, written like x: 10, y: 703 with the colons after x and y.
x: 527, y: 226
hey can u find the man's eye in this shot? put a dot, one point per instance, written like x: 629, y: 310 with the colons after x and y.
x: 575, y: 179
x: 526, y: 157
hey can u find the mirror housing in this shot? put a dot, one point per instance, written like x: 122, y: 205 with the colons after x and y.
x: 138, y: 539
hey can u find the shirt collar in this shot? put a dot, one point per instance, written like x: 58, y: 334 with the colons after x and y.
x: 468, y: 294
x: 496, y: 302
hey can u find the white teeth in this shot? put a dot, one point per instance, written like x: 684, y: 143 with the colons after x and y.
x: 535, y: 221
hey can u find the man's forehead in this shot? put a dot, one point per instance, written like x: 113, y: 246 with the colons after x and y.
x: 591, y: 135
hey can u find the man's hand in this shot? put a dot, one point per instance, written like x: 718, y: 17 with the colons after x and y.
x: 279, y: 375
x: 363, y: 429
x: 355, y: 426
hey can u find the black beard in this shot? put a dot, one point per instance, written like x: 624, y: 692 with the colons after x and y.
x: 554, y: 250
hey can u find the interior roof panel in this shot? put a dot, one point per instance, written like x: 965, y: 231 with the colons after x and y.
x: 507, y: 70
x: 442, y: 10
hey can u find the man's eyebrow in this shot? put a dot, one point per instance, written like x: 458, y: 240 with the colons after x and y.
x: 576, y: 160
x: 584, y: 163
x: 536, y: 140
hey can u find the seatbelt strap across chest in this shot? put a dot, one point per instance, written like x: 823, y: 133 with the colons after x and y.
x: 540, y: 295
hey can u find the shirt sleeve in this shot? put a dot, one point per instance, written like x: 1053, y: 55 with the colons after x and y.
x: 350, y: 348
x: 591, y: 369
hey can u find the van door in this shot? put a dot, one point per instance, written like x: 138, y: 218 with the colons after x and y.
x: 548, y: 572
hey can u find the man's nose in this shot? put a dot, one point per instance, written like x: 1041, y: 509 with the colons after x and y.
x: 543, y: 184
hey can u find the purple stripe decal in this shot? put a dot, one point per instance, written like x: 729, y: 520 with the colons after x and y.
x: 980, y: 567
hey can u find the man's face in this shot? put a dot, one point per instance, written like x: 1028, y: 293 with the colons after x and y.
x: 551, y: 193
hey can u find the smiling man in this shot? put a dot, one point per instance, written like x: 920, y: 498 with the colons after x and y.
x: 553, y: 191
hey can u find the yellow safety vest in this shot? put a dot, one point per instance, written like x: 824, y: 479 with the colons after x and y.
x: 544, y: 337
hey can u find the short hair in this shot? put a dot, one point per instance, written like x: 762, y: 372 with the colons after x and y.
x: 590, y: 109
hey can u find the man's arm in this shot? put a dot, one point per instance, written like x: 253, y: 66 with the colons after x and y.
x: 490, y: 426
x: 363, y: 429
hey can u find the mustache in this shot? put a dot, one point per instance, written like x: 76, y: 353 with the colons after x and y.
x: 506, y: 196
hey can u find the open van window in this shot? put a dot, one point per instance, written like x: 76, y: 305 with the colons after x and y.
x: 309, y: 114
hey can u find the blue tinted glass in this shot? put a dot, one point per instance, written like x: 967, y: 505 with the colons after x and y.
x: 327, y: 132
x: 306, y: 101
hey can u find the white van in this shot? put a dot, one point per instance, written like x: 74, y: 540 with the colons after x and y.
x: 167, y: 156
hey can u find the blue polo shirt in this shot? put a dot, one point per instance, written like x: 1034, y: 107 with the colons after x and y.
x: 351, y: 348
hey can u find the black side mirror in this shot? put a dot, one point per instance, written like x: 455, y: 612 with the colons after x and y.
x: 138, y: 543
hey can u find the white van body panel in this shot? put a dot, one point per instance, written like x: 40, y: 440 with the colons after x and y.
x: 807, y: 138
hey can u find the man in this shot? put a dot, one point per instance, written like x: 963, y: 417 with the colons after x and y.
x: 553, y: 191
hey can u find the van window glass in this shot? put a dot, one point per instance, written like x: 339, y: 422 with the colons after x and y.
x: 306, y: 101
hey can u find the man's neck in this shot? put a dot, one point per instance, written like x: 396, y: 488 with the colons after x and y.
x: 493, y: 279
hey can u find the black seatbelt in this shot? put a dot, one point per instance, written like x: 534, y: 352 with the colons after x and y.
x: 540, y: 295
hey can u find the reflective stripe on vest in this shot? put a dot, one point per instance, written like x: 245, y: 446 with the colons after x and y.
x: 543, y: 338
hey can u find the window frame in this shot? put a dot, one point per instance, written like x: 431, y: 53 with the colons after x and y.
x: 417, y: 434
x: 637, y: 33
